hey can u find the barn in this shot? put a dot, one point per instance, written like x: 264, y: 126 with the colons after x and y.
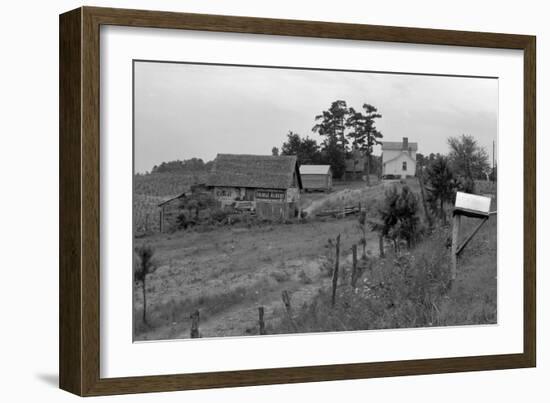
x: 270, y: 184
x: 316, y: 177
x: 398, y: 158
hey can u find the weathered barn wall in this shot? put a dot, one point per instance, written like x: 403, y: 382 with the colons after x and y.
x: 316, y: 181
x: 227, y: 195
x: 276, y: 211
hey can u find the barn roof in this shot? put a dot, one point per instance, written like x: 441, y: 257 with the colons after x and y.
x: 398, y: 146
x: 314, y: 169
x: 254, y: 171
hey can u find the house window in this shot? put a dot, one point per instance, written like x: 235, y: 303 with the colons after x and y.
x: 404, y: 165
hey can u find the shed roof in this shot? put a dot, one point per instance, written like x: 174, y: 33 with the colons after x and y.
x: 254, y: 171
x: 398, y: 145
x: 180, y: 196
x: 314, y: 169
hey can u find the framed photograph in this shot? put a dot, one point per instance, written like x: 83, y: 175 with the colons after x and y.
x: 248, y: 201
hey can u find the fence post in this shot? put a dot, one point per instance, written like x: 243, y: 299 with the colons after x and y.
x: 335, y: 272
x: 195, y: 316
x: 261, y: 319
x: 354, y: 266
x: 424, y: 202
x: 288, y: 308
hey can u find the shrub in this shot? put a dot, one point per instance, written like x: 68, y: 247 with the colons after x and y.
x: 399, y: 217
x: 218, y: 215
x: 280, y: 276
x: 304, y: 278
x: 442, y: 185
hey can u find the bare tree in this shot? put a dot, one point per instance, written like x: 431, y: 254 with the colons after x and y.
x: 144, y: 266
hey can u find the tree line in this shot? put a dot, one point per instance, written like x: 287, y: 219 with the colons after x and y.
x: 187, y: 166
x: 343, y: 130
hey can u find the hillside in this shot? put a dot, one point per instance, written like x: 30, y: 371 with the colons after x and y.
x: 166, y: 184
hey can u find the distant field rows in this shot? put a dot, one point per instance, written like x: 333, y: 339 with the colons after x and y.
x: 166, y: 184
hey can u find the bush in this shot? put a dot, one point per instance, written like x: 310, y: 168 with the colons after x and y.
x: 218, y: 215
x: 280, y: 276
x: 442, y: 186
x: 304, y: 278
x: 184, y: 221
x: 399, y: 217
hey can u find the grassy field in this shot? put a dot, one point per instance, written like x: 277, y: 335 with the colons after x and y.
x: 228, y: 272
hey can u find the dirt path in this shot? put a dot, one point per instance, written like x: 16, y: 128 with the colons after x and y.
x: 242, y: 319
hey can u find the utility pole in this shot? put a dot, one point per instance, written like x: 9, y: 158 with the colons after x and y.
x: 493, y: 167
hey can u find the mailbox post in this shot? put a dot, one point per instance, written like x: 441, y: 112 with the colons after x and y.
x: 468, y: 205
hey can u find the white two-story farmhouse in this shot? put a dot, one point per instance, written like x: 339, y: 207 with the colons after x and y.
x: 398, y: 158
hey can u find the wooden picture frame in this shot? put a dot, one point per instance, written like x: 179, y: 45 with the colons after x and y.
x: 79, y: 281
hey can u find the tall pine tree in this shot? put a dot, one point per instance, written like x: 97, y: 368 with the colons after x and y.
x: 331, y: 126
x: 363, y: 133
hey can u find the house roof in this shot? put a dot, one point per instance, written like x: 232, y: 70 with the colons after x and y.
x: 253, y: 171
x: 314, y: 169
x: 398, y: 145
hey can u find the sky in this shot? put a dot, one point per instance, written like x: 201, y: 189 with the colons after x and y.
x: 183, y: 111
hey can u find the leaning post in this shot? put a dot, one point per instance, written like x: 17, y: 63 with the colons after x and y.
x: 454, y: 244
x: 335, y: 272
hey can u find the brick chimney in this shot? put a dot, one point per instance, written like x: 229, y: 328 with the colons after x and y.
x: 405, y: 144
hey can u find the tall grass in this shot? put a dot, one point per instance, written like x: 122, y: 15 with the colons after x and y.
x: 404, y: 290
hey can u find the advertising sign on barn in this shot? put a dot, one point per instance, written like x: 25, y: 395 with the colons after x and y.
x: 268, y: 194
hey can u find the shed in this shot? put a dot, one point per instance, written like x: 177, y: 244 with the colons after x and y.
x: 169, y: 211
x: 316, y: 177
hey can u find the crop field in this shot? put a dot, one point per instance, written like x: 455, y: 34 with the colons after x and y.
x: 166, y: 184
x: 227, y: 272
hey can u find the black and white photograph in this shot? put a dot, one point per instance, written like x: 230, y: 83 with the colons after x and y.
x: 272, y: 200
